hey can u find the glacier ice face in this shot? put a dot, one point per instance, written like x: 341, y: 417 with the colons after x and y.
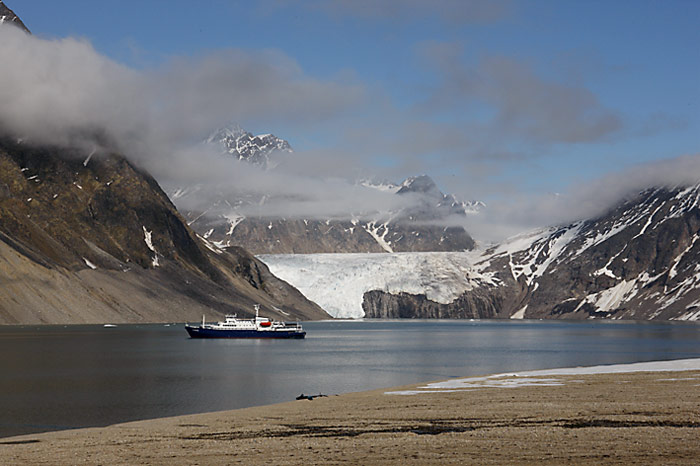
x: 338, y: 282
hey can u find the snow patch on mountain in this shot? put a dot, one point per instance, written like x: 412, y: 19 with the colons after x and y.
x: 147, y: 237
x: 531, y: 254
x: 379, y: 232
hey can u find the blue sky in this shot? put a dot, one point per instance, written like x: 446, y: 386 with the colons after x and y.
x: 490, y: 98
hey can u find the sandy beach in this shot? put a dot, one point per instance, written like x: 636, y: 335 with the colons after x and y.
x: 610, y: 418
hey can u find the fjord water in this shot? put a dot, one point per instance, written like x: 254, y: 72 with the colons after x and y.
x: 61, y: 377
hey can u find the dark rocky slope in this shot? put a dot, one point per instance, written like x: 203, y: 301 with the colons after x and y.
x: 638, y: 261
x: 95, y: 239
x: 421, y: 227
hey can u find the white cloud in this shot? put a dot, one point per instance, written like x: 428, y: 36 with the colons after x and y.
x: 582, y: 201
x: 63, y: 91
x: 57, y: 90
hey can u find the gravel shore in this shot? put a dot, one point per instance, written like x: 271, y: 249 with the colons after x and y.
x: 623, y: 418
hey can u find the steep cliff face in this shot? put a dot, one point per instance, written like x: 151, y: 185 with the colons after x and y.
x: 88, y: 237
x: 472, y: 305
x: 492, y: 293
x: 639, y: 261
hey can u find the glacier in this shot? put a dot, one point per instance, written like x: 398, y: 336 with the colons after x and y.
x: 338, y: 282
x: 638, y: 261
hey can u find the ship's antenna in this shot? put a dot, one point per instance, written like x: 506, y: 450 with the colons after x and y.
x: 257, y: 310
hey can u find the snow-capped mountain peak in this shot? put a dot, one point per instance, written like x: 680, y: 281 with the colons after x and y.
x: 435, y: 200
x: 420, y: 184
x: 259, y: 150
x: 8, y: 16
x: 637, y: 261
x: 468, y: 207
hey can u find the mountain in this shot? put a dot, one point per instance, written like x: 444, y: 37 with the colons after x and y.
x: 416, y: 228
x: 89, y: 237
x: 8, y: 16
x: 260, y: 150
x: 638, y: 261
x: 430, y: 222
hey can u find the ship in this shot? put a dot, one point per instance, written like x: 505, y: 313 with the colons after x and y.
x: 259, y: 327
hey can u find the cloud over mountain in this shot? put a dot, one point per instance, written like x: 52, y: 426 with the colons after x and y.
x: 54, y: 88
x: 63, y: 91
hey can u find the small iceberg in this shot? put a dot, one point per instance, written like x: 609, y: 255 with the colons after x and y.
x: 109, y: 325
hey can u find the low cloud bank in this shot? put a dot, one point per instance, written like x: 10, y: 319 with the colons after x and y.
x: 211, y: 179
x: 55, y: 91
x: 582, y: 201
x: 64, y: 92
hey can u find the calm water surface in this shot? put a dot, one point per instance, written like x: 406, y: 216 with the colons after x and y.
x: 58, y: 377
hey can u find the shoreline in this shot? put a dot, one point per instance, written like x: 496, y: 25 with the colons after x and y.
x: 360, y: 319
x: 615, y: 417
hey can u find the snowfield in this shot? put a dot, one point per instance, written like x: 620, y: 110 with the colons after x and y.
x: 337, y: 282
x: 537, y: 377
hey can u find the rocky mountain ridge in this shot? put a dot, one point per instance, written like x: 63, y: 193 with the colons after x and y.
x: 432, y: 222
x: 638, y: 261
x: 259, y: 150
x: 417, y: 228
x: 8, y: 16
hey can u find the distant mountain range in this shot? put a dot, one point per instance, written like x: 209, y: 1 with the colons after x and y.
x: 636, y: 262
x: 428, y: 224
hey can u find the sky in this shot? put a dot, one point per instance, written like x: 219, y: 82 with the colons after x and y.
x: 513, y: 103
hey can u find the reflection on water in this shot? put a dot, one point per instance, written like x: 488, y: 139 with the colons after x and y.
x: 76, y: 376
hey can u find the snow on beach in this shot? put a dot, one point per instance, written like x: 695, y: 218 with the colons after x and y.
x: 544, y: 377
